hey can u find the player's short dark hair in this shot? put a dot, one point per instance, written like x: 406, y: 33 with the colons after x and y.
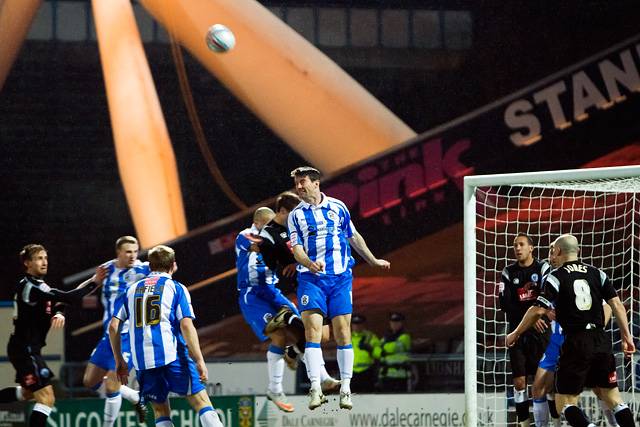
x: 287, y: 200
x: 525, y: 235
x: 311, y: 172
x: 161, y: 258
x: 124, y: 240
x: 28, y: 251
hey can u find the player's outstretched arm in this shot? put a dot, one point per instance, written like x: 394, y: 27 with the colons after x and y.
x: 69, y: 297
x: 122, y: 368
x: 530, y: 318
x: 619, y: 311
x: 357, y: 242
x: 193, y: 343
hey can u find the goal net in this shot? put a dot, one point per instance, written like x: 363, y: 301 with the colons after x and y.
x: 601, y: 207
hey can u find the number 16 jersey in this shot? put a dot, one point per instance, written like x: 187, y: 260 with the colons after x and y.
x: 154, y: 307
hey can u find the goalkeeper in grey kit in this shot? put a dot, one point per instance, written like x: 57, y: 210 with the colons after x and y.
x: 520, y: 285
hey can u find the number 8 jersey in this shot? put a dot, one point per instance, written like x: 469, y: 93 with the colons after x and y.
x: 154, y: 307
x: 577, y: 290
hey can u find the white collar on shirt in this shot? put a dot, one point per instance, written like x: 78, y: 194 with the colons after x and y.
x: 324, y: 202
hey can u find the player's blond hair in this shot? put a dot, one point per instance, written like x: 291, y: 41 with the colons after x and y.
x: 124, y: 240
x: 263, y: 215
x: 161, y: 258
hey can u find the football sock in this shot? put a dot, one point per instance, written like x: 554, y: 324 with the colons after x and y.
x: 209, y: 417
x: 275, y: 363
x: 522, y: 404
x: 575, y: 417
x: 112, y: 405
x: 164, y: 422
x: 541, y: 412
x: 345, y: 363
x: 39, y: 415
x: 552, y: 406
x: 623, y: 415
x: 130, y: 394
x: 313, y: 355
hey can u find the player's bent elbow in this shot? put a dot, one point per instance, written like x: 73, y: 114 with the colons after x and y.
x: 186, y: 325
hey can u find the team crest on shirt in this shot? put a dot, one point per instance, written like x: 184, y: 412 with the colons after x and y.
x: 516, y: 281
x: 304, y: 300
x: 45, y: 373
x: 267, y: 317
x: 332, y: 216
x: 534, y: 277
x: 283, y: 234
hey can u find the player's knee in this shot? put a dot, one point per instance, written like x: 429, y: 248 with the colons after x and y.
x: 278, y: 338
x: 326, y: 333
x: 161, y: 409
x: 343, y: 338
x: 313, y: 333
x: 111, y: 387
x: 46, y: 397
x: 90, y: 382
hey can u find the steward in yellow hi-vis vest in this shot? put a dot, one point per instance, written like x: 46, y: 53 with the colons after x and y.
x: 365, y: 372
x: 393, y: 354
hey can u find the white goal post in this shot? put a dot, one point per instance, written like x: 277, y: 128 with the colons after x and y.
x: 601, y: 206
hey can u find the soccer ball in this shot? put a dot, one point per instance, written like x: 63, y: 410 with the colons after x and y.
x: 220, y: 39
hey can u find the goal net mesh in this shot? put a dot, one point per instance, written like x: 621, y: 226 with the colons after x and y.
x: 604, y: 216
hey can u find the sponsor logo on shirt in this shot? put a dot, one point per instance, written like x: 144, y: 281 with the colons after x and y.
x: 613, y: 377
x: 528, y: 292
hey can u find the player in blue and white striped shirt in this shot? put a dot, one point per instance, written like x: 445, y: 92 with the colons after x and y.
x: 162, y: 334
x: 121, y: 272
x: 322, y: 235
x: 260, y: 300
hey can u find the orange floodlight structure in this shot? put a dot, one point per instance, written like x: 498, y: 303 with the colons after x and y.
x: 15, y: 19
x: 145, y: 156
x: 296, y: 90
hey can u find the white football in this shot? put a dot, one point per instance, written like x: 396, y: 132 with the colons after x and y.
x: 220, y: 38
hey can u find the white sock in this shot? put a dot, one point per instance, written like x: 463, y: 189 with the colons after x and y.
x: 130, y: 394
x: 313, y: 354
x: 275, y: 364
x: 111, y: 408
x: 345, y: 363
x: 323, y: 371
x: 209, y: 417
x: 608, y: 413
x: 164, y: 422
x: 541, y: 412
